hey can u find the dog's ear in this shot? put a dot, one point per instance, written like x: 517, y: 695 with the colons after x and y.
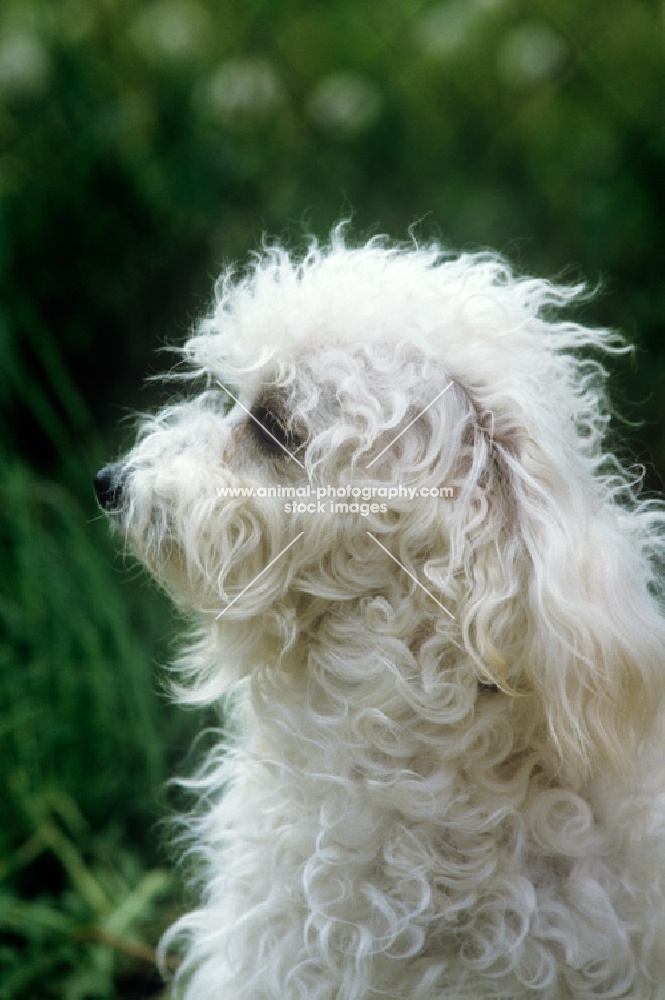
x: 561, y: 605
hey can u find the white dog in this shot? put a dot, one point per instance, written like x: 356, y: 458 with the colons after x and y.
x: 428, y: 599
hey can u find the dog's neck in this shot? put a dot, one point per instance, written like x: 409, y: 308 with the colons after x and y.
x: 365, y: 708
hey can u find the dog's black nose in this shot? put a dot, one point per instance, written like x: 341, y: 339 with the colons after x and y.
x: 108, y: 487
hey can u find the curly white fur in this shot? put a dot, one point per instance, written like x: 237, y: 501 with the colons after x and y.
x: 411, y: 805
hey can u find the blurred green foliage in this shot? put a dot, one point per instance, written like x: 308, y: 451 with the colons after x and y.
x: 143, y: 144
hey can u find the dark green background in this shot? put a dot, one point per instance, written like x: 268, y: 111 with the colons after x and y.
x: 144, y: 145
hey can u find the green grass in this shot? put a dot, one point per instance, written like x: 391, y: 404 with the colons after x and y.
x: 83, y: 897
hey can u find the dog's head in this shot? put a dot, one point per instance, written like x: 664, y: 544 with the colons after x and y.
x: 412, y: 444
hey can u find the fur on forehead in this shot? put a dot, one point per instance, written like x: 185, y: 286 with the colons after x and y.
x: 467, y: 317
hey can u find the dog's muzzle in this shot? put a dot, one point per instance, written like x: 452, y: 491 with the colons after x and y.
x: 109, y: 486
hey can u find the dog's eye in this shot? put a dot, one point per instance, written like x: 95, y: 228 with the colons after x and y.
x: 271, y: 430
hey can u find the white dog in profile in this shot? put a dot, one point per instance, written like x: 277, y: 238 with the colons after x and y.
x: 443, y: 761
